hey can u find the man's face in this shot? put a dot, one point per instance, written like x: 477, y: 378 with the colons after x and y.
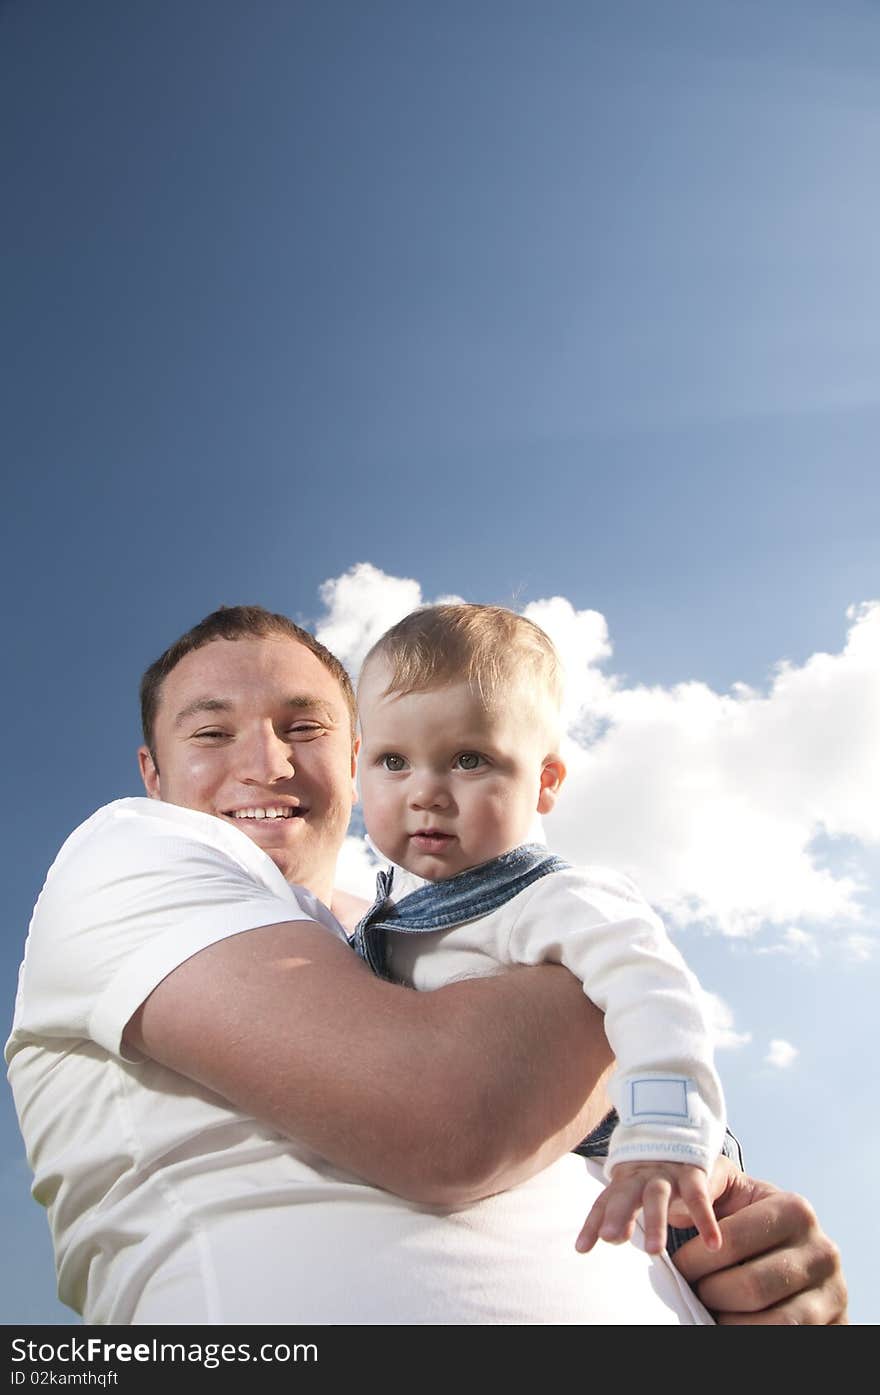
x: 257, y: 733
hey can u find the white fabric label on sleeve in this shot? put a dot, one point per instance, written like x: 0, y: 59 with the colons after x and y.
x: 658, y: 1098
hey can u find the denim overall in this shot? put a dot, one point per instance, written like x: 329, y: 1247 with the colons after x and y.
x: 477, y: 892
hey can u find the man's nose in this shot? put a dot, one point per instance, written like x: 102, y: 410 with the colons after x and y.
x: 264, y: 758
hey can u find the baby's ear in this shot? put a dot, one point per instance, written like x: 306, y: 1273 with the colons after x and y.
x: 553, y: 774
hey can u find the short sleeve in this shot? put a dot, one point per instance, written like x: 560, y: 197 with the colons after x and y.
x: 137, y: 890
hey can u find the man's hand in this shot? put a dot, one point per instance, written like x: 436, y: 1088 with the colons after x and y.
x: 776, y: 1268
x: 650, y: 1187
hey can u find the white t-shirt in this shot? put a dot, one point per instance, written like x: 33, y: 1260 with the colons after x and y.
x: 169, y: 1205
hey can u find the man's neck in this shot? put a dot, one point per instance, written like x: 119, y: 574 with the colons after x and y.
x: 347, y: 908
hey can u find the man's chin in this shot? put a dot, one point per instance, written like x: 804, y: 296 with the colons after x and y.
x: 298, y: 858
x: 280, y: 839
x: 291, y: 863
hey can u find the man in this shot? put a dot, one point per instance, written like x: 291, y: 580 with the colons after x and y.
x: 231, y: 1121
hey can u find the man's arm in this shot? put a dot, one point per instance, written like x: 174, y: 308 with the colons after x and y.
x: 440, y: 1097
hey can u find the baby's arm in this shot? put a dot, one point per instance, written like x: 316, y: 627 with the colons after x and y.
x: 665, y: 1088
x: 650, y: 1187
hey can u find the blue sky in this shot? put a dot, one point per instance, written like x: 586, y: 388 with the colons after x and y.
x: 516, y: 301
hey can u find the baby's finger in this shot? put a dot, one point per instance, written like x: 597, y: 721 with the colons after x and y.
x: 695, y: 1194
x: 590, y: 1229
x: 655, y: 1210
x: 622, y: 1203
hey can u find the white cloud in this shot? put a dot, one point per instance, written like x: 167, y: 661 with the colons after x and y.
x: 721, y: 1023
x: 796, y: 942
x: 800, y: 941
x: 859, y: 947
x: 781, y: 1054
x: 356, y: 869
x: 360, y: 606
x: 581, y: 637
x: 711, y: 801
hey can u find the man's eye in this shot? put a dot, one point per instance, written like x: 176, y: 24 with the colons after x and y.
x: 393, y: 762
x: 305, y: 729
x: 470, y: 760
x: 209, y: 734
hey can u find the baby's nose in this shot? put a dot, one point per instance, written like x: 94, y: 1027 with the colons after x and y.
x: 430, y: 793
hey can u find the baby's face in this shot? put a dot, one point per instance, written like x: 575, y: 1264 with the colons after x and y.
x: 446, y: 784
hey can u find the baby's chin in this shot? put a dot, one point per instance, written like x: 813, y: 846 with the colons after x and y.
x: 429, y: 867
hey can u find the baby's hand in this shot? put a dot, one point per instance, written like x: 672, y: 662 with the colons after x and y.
x: 650, y: 1186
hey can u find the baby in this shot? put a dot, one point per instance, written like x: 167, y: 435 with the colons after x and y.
x: 460, y: 720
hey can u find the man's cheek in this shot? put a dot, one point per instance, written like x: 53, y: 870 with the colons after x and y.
x: 194, y: 783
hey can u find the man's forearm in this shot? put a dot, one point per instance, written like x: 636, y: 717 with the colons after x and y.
x: 441, y: 1097
x: 544, y: 1061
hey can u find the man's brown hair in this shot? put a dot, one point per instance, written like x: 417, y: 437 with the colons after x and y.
x: 491, y: 648
x: 233, y: 622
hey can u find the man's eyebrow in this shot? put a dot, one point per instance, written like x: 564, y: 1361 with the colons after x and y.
x: 300, y: 702
x: 201, y: 704
x: 304, y: 702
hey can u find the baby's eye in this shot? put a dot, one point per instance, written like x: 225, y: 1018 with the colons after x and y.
x: 393, y: 762
x: 469, y: 760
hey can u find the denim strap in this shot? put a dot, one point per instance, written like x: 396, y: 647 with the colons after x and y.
x: 444, y: 904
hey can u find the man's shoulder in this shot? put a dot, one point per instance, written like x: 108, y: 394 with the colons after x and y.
x: 138, y: 817
x: 137, y: 823
x: 138, y: 836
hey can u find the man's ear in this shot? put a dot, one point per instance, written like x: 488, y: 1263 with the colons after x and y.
x: 149, y: 773
x: 355, y: 748
x: 553, y: 774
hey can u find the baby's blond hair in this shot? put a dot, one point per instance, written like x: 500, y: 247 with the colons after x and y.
x: 487, y: 646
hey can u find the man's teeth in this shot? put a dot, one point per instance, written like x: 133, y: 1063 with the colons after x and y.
x: 269, y: 813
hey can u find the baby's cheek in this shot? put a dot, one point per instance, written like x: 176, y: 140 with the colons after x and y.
x: 391, y: 825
